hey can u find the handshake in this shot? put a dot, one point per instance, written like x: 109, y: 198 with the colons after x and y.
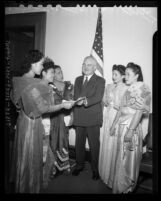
x: 81, y: 101
x: 69, y: 104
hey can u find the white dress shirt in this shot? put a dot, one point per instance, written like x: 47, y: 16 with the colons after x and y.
x: 88, y: 76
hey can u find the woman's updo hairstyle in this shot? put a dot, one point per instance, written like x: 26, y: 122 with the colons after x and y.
x: 119, y: 68
x: 33, y: 56
x: 136, y: 69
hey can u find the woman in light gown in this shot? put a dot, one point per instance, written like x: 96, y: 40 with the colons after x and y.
x: 33, y: 98
x: 111, y: 100
x: 127, y: 130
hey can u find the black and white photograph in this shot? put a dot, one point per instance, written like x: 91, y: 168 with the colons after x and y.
x: 80, y: 97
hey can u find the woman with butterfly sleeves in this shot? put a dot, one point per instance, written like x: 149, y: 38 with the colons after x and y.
x: 128, y: 131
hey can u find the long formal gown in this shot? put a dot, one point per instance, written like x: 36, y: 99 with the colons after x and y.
x: 48, y: 156
x: 33, y: 99
x: 59, y: 131
x: 112, y: 98
x: 129, y: 154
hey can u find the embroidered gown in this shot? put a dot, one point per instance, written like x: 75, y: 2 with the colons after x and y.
x: 112, y: 98
x: 59, y: 131
x: 33, y: 99
x: 129, y: 154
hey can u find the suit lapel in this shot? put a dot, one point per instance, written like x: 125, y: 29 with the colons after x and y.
x: 80, y: 84
x: 91, y: 82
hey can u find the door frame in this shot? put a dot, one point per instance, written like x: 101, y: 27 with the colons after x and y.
x: 36, y: 20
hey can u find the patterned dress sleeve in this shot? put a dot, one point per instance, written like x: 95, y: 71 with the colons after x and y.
x: 68, y: 91
x: 143, y: 92
x: 146, y: 96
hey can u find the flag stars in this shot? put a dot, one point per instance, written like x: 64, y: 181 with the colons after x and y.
x: 97, y: 45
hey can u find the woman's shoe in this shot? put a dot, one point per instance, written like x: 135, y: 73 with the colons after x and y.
x: 53, y: 173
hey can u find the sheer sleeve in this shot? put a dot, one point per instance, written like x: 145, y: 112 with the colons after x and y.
x: 105, y: 99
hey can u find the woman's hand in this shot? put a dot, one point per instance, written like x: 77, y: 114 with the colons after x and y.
x: 68, y: 104
x: 112, y: 131
x: 105, y: 103
x: 128, y: 136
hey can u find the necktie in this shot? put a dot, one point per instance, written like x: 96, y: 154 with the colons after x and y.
x: 85, y: 82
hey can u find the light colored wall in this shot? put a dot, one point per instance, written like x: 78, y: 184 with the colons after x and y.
x: 127, y: 37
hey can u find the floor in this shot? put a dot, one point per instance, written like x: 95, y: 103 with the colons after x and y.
x: 81, y: 184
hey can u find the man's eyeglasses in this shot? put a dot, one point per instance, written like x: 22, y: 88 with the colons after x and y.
x: 88, y: 65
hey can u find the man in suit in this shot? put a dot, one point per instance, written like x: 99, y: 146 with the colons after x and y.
x: 88, y: 115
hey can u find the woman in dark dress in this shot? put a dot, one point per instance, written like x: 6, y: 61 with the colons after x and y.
x: 33, y: 98
x: 63, y: 91
x: 47, y: 76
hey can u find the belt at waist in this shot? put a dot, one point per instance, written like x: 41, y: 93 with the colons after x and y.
x: 30, y: 117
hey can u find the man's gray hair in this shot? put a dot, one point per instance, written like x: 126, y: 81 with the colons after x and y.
x: 91, y: 57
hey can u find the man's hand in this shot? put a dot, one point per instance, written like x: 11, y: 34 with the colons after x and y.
x: 80, y: 101
x: 85, y: 102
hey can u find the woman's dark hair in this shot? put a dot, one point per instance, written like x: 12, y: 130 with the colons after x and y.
x: 47, y: 64
x: 119, y: 68
x: 56, y: 66
x: 136, y: 69
x: 33, y: 56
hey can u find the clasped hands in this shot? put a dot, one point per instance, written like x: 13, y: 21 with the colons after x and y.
x: 128, y: 136
x: 68, y: 104
x: 81, y: 101
x: 71, y: 103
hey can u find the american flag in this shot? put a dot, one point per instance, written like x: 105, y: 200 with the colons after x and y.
x: 97, y: 49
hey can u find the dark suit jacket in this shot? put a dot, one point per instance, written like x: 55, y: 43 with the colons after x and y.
x: 92, y: 114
